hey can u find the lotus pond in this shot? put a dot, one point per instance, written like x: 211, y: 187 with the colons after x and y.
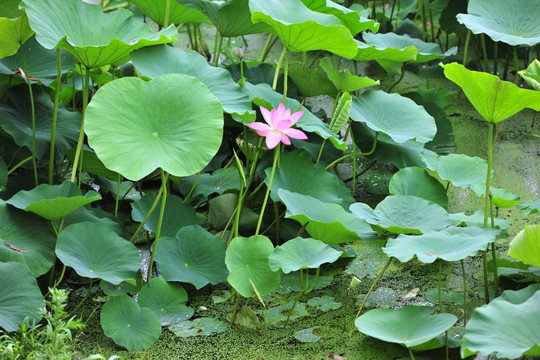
x: 269, y: 179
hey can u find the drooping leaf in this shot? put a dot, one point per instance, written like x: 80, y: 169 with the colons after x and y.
x: 128, y: 324
x: 513, y: 321
x: 75, y: 23
x: 247, y: 259
x: 393, y: 115
x: 459, y: 169
x: 302, y: 29
x: 199, y: 327
x: 178, y: 13
x: 416, y: 182
x: 500, y: 198
x: 341, y: 113
x: 532, y: 74
x: 495, y: 99
x: 177, y: 61
x: 161, y: 125
x: 195, y: 256
x: 13, y: 33
x: 509, y: 21
x: 27, y: 239
x: 177, y: 214
x: 53, y: 201
x: 94, y: 251
x: 409, y: 326
x: 311, y: 81
x: 302, y: 253
x: 404, y: 214
x: 526, y: 245
x: 530, y: 207
x: 343, y: 80
x: 366, y: 52
x: 166, y: 300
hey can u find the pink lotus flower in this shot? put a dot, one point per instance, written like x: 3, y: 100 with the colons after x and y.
x: 279, y: 125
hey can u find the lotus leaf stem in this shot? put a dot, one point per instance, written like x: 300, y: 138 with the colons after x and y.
x: 84, y: 298
x: 494, y: 253
x: 278, y: 66
x: 486, y: 203
x: 484, y: 52
x: 333, y: 163
x: 398, y: 80
x: 57, y: 89
x: 274, y: 166
x: 411, y: 353
x: 164, y: 179
x: 270, y: 41
x: 117, y: 197
x: 78, y: 152
x: 495, y: 57
x: 22, y: 162
x: 141, y: 225
x: 33, y: 108
x: 188, y: 196
x: 516, y: 65
x: 167, y: 13
x: 285, y: 77
x: 217, y: 48
x: 379, y: 276
x: 464, y: 292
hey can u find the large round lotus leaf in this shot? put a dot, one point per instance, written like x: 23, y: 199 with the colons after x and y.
x: 195, y: 256
x: 221, y: 180
x: 394, y: 115
x: 526, y: 245
x: 231, y: 18
x: 177, y: 214
x: 247, y: 261
x: 513, y: 321
x: 94, y: 251
x: 514, y: 22
x: 20, y: 296
x: 352, y: 19
x: 94, y: 38
x: 367, y: 52
x: 53, y: 201
x: 297, y: 173
x: 459, y: 169
x: 166, y: 300
x: 302, y: 253
x: 13, y: 33
x: 178, y: 14
x: 16, y: 120
x: 302, y: 29
x: 264, y: 95
x: 27, y: 239
x: 438, y: 244
x: 404, y: 214
x: 408, y: 326
x: 532, y: 74
x: 492, y: 97
x: 40, y: 62
x: 416, y: 182
x: 162, y: 124
x: 343, y: 80
x: 129, y: 325
x: 203, y: 326
x: 160, y: 60
x: 327, y: 222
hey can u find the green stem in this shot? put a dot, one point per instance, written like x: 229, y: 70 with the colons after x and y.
x: 285, y: 78
x: 78, y: 152
x: 439, y: 288
x: 267, y: 47
x: 167, y: 13
x: 278, y: 223
x: 494, y: 254
x: 278, y: 66
x: 411, y: 354
x: 466, y: 50
x: 55, y: 113
x: 379, y: 276
x: 84, y: 298
x: 484, y: 52
x: 117, y: 200
x: 188, y: 196
x: 20, y: 164
x: 486, y: 201
x: 235, y: 309
x: 333, y: 163
x: 398, y: 80
x: 495, y: 57
x: 516, y: 65
x: 141, y: 225
x: 164, y: 177
x: 29, y: 83
x: 217, y: 49
x: 464, y: 293
x: 274, y: 165
x: 353, y: 185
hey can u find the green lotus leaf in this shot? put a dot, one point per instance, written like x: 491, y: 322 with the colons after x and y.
x: 459, y: 169
x: 476, y: 219
x: 94, y: 251
x: 526, y: 245
x: 53, y: 201
x: 40, y: 62
x: 231, y: 18
x: 223, y: 206
x: 218, y: 182
x: 131, y: 286
x: 298, y: 174
x: 495, y: 99
x: 177, y: 214
x: 310, y: 81
x: 448, y: 21
x: 59, y: 25
x: 302, y: 253
x: 16, y: 120
x: 13, y: 33
x: 513, y: 321
x: 178, y: 14
x: 342, y: 112
x: 325, y: 303
x: 307, y: 335
x: 352, y: 19
x: 264, y: 95
x: 161, y: 125
x: 404, y: 214
x: 177, y: 61
x: 128, y: 324
x: 203, y: 326
x: 302, y: 29
x: 292, y: 282
x: 532, y: 74
x: 283, y: 312
x: 20, y: 297
x: 10, y: 9
x: 510, y: 21
x: 369, y: 261
x: 95, y: 215
x: 501, y: 198
x: 408, y: 326
x: 247, y: 261
x: 416, y: 182
x: 394, y: 115
x: 92, y: 164
x: 366, y: 52
x: 327, y: 222
x: 195, y: 256
x: 343, y: 80
x: 26, y: 239
x: 166, y: 300
x: 437, y: 244
x: 529, y: 208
